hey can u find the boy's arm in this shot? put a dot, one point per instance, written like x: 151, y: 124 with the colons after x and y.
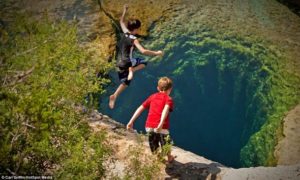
x: 122, y: 23
x: 164, y: 114
x: 136, y: 114
x: 146, y: 51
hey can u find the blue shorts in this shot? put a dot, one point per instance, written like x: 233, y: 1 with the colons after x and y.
x: 137, y: 61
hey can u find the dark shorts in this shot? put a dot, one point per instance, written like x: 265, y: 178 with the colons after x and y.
x: 157, y: 139
x: 123, y: 75
x: 123, y: 69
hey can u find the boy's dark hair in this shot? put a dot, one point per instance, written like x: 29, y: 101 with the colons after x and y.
x: 133, y: 24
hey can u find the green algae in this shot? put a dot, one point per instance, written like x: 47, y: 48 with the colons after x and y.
x: 283, y: 95
x: 259, y: 60
x: 272, y: 90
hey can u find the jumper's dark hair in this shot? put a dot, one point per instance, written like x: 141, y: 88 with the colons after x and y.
x: 133, y: 24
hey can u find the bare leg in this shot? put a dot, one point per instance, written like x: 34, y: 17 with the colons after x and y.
x: 113, y: 97
x: 130, y: 74
x: 139, y: 67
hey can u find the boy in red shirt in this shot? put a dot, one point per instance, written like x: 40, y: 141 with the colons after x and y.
x: 157, y: 124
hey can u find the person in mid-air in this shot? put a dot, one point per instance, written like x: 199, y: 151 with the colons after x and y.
x: 126, y: 63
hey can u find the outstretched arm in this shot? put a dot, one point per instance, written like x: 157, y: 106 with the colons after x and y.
x: 136, y: 114
x: 163, y: 117
x: 122, y: 22
x: 146, y: 51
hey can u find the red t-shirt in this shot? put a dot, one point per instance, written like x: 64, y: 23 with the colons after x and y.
x: 156, y: 103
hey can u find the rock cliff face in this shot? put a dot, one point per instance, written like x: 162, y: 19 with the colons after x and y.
x: 187, y: 165
x: 288, y: 150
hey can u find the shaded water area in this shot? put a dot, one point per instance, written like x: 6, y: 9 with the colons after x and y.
x: 222, y: 86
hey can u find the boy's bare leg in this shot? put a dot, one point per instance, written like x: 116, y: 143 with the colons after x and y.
x: 130, y: 74
x: 113, y: 97
x: 138, y: 67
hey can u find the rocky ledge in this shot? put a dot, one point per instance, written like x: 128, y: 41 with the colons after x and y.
x: 187, y: 165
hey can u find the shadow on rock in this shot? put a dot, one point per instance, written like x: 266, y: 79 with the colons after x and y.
x: 193, y: 170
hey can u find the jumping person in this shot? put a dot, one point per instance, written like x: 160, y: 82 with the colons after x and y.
x: 126, y: 63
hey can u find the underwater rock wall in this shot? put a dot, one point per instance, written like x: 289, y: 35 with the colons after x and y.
x: 251, y: 46
x: 273, y: 73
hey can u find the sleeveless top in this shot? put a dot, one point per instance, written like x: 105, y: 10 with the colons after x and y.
x: 125, y: 49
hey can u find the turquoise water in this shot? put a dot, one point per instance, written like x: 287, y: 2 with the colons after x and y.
x: 230, y: 87
x: 212, y: 97
x: 219, y: 84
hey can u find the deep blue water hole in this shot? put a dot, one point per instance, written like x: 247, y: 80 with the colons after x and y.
x: 212, y: 111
